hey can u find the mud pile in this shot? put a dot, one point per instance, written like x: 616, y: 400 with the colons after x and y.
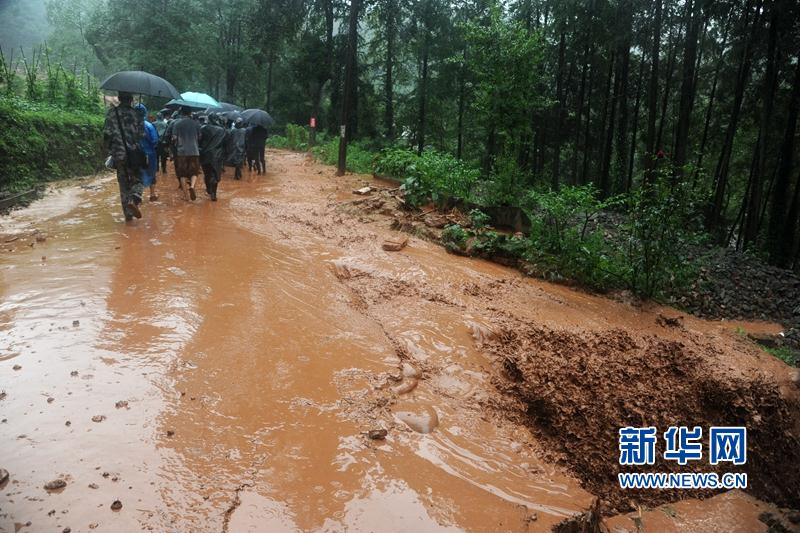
x: 575, y: 390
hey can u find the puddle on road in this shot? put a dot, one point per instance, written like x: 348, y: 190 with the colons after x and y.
x: 256, y: 341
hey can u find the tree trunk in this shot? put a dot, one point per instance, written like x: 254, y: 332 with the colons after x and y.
x: 388, y: 117
x: 635, y: 132
x: 423, y: 94
x: 652, y: 98
x: 554, y: 182
x: 588, y: 126
x: 710, y: 107
x: 790, y: 224
x: 687, y: 87
x: 723, y: 165
x: 780, y: 248
x: 579, y: 115
x: 623, y: 66
x: 462, y: 102
x: 668, y: 75
x: 768, y: 97
x: 609, y: 113
x: 269, y: 81
x: 349, y: 84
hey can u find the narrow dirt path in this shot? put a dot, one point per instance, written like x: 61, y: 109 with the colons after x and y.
x: 218, y: 367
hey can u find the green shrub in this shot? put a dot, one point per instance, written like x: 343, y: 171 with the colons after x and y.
x: 278, y: 141
x: 662, y: 225
x: 296, y: 137
x: 564, y: 237
x: 784, y: 353
x: 41, y: 142
x: 359, y: 159
x: 434, y: 176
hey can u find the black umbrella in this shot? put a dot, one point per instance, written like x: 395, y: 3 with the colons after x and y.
x: 257, y: 117
x: 229, y: 107
x: 225, y: 115
x: 138, y: 82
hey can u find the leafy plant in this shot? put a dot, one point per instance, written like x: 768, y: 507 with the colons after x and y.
x: 661, y: 226
x: 433, y: 176
x: 784, y: 353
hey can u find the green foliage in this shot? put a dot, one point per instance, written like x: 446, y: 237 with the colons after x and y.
x: 661, y: 227
x: 784, y: 353
x: 42, y: 142
x: 47, y: 81
x: 278, y: 141
x: 359, y: 159
x: 432, y: 176
x: 297, y: 137
x: 454, y: 238
x: 565, y: 239
x: 503, y: 60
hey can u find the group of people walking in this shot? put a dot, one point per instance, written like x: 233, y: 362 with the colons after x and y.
x: 139, y: 150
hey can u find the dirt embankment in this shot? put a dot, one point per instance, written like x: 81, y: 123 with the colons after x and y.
x: 576, y: 391
x: 575, y: 387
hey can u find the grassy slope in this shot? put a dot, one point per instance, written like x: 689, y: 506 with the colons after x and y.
x: 39, y: 143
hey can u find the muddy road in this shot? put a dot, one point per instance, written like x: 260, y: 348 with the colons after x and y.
x: 218, y: 367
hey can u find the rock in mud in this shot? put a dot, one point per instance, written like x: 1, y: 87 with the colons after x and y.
x: 56, y: 484
x: 363, y: 190
x: 170, y: 433
x: 16, y: 367
x: 94, y: 486
x: 3, y: 475
x: 377, y: 434
x: 98, y: 418
x: 395, y: 244
x: 122, y: 404
x: 3, y: 395
x: 669, y: 322
x: 66, y: 530
x: 410, y: 371
x: 423, y: 421
x: 74, y: 373
x: 405, y: 387
x: 116, y: 505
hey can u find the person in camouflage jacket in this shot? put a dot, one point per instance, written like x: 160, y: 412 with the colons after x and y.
x: 130, y: 183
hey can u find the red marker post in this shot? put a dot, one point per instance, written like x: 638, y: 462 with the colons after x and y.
x: 313, y: 135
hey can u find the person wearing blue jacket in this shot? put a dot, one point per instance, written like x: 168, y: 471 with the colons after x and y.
x: 149, y: 145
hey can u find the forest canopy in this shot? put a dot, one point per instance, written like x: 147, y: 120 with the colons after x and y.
x: 536, y: 94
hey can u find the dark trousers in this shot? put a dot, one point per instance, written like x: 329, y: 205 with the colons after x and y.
x: 163, y: 152
x: 262, y: 160
x: 130, y: 188
x: 211, y: 177
x: 237, y: 175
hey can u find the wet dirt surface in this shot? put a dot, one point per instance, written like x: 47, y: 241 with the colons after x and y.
x: 218, y: 367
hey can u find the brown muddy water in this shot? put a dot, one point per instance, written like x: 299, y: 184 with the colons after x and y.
x: 218, y: 367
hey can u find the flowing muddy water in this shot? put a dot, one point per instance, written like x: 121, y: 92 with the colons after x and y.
x: 218, y: 367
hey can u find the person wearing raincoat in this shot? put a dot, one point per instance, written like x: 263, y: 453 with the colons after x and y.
x: 123, y: 126
x: 235, y: 148
x: 163, y: 147
x: 212, y: 153
x: 149, y: 145
x: 256, y: 146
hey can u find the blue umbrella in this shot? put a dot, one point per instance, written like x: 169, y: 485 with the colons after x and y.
x: 194, y: 101
x: 200, y: 98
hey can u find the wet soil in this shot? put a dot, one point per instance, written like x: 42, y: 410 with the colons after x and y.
x: 238, y: 354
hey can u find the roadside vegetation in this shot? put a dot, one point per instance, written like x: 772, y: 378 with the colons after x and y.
x: 51, y: 122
